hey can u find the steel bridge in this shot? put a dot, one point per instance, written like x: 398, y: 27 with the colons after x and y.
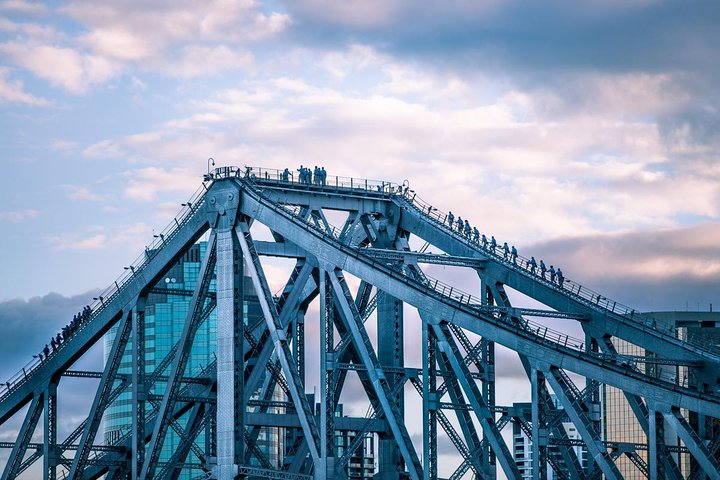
x: 360, y: 270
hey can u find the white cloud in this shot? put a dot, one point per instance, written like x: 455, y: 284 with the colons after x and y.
x: 19, y: 215
x: 146, y: 183
x: 22, y: 6
x: 14, y: 92
x: 117, y: 44
x: 196, y: 60
x: 61, y: 66
x: 103, y: 149
x: 78, y: 192
x: 102, y: 238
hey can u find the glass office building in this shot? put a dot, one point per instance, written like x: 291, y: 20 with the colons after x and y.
x: 165, y: 314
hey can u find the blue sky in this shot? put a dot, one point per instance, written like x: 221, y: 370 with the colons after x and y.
x: 585, y: 133
x: 593, y: 126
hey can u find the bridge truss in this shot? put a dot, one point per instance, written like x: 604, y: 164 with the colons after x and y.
x: 363, y: 268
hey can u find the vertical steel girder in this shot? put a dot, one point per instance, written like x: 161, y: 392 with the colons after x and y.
x: 230, y: 363
x: 50, y: 453
x: 429, y: 393
x: 327, y: 404
x: 15, y: 461
x: 180, y: 360
x: 139, y: 394
x: 102, y: 396
x: 539, y: 431
x: 279, y: 338
x: 563, y: 388
x: 353, y: 321
x: 482, y: 412
x: 693, y: 442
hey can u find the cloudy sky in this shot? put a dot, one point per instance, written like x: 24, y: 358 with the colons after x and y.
x: 586, y: 133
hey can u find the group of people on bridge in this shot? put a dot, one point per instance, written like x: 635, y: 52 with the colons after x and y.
x: 509, y: 253
x: 316, y: 176
x: 67, y: 332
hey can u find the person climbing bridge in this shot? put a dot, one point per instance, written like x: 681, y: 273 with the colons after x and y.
x: 493, y: 244
x: 451, y: 219
x: 552, y: 274
x: 543, y: 269
x: 532, y: 265
x: 560, y: 277
x: 484, y: 242
x: 476, y: 235
x: 506, y: 251
x: 513, y: 254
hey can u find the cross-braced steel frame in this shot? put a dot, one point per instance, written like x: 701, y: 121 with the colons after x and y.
x: 361, y: 271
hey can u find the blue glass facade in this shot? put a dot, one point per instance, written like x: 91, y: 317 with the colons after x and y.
x: 165, y: 313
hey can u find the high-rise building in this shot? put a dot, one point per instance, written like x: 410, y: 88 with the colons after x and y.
x: 619, y: 422
x: 361, y: 463
x: 522, y: 444
x: 165, y: 314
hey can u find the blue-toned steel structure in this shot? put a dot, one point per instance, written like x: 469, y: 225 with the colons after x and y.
x: 227, y: 402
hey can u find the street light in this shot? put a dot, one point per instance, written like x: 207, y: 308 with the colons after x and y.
x: 131, y: 268
x: 213, y: 163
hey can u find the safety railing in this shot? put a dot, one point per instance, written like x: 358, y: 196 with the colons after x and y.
x: 569, y: 287
x: 261, y: 175
x: 117, y: 287
x: 533, y: 331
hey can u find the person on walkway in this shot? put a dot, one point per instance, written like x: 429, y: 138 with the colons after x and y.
x: 506, y: 251
x: 560, y: 277
x: 476, y: 235
x: 286, y: 175
x: 323, y: 176
x: 493, y: 244
x: 533, y: 265
x: 460, y: 224
x: 552, y: 274
x: 542, y: 269
x: 467, y: 228
x: 484, y: 242
x: 301, y: 174
x: 513, y: 254
x: 451, y: 219
x: 46, y: 351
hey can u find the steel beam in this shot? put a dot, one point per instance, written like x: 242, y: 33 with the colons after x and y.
x: 279, y: 339
x: 102, y: 396
x: 139, y: 393
x: 480, y: 408
x: 693, y: 442
x: 15, y: 460
x: 230, y: 363
x: 353, y: 321
x: 429, y: 393
x: 563, y: 388
x: 50, y: 453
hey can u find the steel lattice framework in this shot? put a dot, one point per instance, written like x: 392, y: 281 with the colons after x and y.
x: 456, y: 382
